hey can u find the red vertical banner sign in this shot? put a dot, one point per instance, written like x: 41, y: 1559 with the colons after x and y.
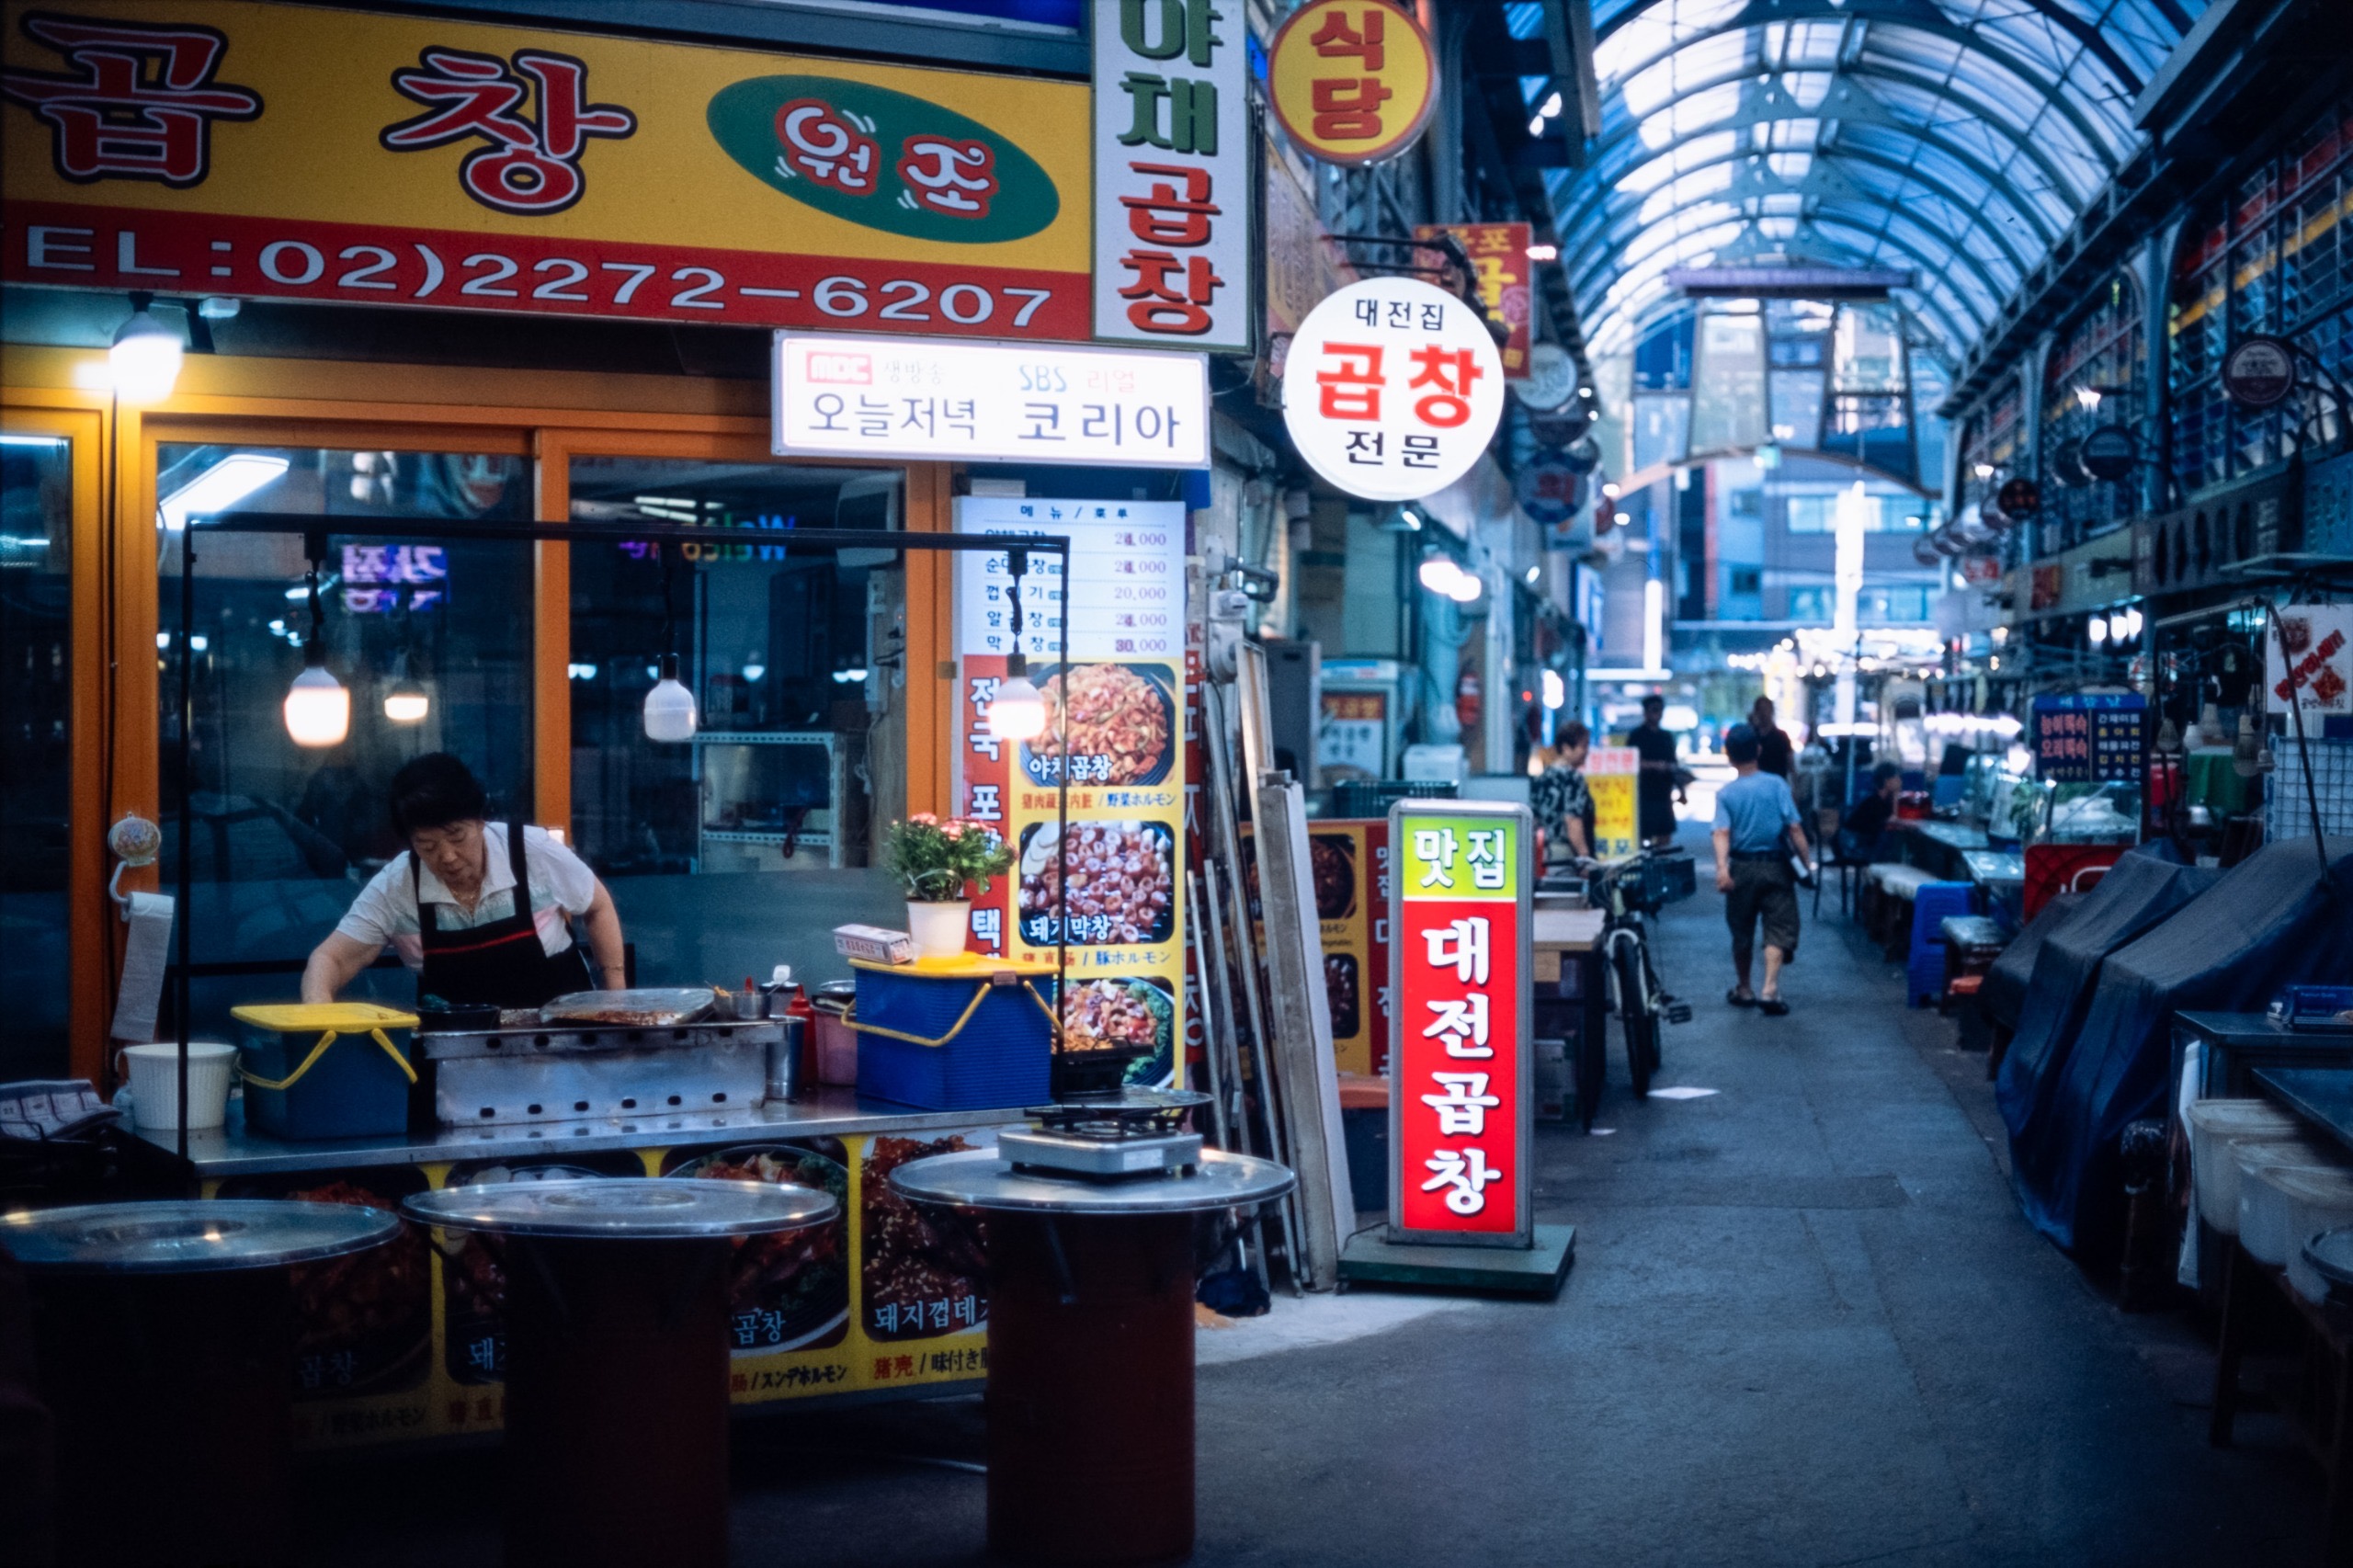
x: 1462, y: 1099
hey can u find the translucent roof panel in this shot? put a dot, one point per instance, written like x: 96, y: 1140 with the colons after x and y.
x: 1958, y: 139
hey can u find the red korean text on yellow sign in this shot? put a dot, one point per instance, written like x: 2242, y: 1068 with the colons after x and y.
x: 1352, y: 81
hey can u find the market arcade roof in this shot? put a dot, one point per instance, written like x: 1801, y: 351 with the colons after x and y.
x: 1957, y: 137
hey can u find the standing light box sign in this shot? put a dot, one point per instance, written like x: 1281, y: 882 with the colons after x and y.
x: 1172, y: 174
x: 1392, y: 389
x: 902, y: 398
x: 1610, y: 773
x: 1352, y: 81
x: 1462, y: 1100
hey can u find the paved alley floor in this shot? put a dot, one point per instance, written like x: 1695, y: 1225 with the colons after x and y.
x: 1806, y: 1326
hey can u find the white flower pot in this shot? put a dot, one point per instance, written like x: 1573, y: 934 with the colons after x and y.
x: 940, y: 929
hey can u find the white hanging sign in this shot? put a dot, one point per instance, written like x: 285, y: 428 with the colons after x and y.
x: 1392, y: 388
x: 1172, y: 174
x: 948, y: 398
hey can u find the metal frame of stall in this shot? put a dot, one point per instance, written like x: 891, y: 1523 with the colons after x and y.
x: 315, y: 529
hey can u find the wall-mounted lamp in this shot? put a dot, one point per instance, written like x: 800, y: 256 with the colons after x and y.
x: 144, y: 362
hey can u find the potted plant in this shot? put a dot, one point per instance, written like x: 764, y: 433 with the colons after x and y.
x: 936, y: 861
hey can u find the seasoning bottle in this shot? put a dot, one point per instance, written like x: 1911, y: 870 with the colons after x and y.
x: 804, y: 1017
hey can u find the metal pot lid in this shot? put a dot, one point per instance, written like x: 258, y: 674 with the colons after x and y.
x: 626, y: 1209
x: 980, y: 1179
x: 191, y: 1235
x: 2331, y: 1255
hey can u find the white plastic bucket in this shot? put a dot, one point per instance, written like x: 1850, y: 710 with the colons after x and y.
x: 2265, y: 1204
x: 2214, y: 1126
x: 155, y: 1084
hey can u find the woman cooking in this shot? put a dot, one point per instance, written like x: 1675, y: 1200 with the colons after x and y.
x: 480, y: 911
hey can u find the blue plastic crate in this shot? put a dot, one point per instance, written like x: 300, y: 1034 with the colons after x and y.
x: 325, y: 1070
x: 947, y: 1035
x: 1931, y: 907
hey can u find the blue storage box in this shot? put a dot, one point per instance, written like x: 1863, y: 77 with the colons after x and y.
x: 325, y: 1070
x: 966, y: 1033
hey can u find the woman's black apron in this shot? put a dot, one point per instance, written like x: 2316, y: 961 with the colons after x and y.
x: 502, y: 963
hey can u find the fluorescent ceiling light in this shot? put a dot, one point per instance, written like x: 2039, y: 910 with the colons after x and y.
x: 220, y: 487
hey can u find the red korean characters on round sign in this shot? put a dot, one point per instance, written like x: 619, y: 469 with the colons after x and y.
x: 1392, y: 388
x: 1352, y: 81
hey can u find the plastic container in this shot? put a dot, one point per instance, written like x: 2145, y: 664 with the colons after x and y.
x: 2317, y: 1201
x: 326, y: 1070
x: 965, y: 1033
x: 2246, y: 1159
x: 2214, y: 1125
x: 154, y: 1075
x: 2265, y: 1204
x: 836, y: 1039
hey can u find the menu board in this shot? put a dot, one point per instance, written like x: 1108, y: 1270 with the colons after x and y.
x: 408, y: 1341
x: 1462, y: 1101
x: 1351, y: 863
x: 1126, y: 682
x: 1610, y: 773
x: 2091, y: 737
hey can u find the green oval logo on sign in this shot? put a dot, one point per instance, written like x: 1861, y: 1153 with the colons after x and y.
x: 884, y: 159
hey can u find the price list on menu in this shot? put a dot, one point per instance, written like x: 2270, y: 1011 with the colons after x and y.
x: 1115, y: 897
x: 2091, y: 738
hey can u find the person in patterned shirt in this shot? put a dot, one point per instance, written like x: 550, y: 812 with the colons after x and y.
x: 1562, y: 803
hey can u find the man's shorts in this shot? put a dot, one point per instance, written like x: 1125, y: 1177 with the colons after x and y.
x: 1763, y: 890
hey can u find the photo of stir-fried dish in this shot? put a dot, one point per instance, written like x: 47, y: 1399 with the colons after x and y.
x: 1122, y: 1014
x: 788, y: 1291
x: 1340, y: 991
x: 923, y: 1268
x: 362, y: 1321
x: 1122, y: 882
x: 1120, y: 722
x: 1332, y: 856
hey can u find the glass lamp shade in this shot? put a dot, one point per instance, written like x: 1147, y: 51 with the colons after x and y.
x: 1019, y: 712
x: 407, y: 703
x: 318, y: 708
x: 669, y: 707
x: 145, y: 363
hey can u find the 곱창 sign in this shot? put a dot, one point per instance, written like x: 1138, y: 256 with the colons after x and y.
x: 1352, y: 81
x: 287, y: 151
x: 1462, y: 1100
x: 901, y: 398
x: 1392, y: 389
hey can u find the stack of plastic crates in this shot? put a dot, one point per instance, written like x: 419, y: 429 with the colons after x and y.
x: 1931, y: 907
x: 1358, y: 798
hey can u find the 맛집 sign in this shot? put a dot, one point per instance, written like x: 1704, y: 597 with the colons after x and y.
x: 1392, y: 389
x: 1352, y: 81
x: 902, y: 398
x: 1462, y: 1100
x: 304, y: 153
x: 1171, y: 182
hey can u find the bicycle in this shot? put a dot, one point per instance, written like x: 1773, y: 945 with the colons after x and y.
x: 1626, y: 894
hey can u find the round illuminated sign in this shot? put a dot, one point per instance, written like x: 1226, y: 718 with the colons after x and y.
x: 2258, y: 371
x: 2107, y: 453
x: 1551, y: 378
x: 1548, y: 489
x: 2019, y: 497
x: 1392, y: 388
x: 1352, y: 81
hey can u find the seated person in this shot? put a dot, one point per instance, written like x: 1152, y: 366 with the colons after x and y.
x: 1563, y: 804
x: 1864, y: 834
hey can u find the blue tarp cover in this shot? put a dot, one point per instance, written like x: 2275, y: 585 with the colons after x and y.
x: 2004, y: 993
x: 2270, y: 922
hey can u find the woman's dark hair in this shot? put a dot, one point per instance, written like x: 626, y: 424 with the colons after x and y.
x: 1883, y: 772
x: 1573, y: 734
x: 435, y: 790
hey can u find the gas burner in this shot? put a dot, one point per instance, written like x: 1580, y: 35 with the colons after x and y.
x: 1129, y: 1134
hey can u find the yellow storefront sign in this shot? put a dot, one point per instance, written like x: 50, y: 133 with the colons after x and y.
x: 273, y: 151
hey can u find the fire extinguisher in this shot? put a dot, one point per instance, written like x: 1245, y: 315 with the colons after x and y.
x: 1466, y: 700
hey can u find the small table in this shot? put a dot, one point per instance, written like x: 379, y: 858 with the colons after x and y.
x: 1090, y: 1395
x: 2322, y: 1095
x: 1571, y: 996
x: 165, y: 1338
x: 617, y: 1356
x: 2236, y: 1045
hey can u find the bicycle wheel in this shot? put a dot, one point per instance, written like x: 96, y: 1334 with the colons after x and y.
x: 1637, y: 1017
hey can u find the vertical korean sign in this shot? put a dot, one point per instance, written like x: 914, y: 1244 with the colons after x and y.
x: 1172, y: 174
x: 1610, y: 773
x: 1499, y: 273
x: 1462, y: 1099
x: 1124, y: 684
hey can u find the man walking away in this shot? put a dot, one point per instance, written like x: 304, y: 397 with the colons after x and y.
x: 1754, y: 813
x: 1655, y: 788
x: 1775, y: 751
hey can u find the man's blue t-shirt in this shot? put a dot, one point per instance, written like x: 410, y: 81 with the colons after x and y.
x: 1757, y: 809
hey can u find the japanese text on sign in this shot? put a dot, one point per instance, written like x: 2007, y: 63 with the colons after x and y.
x: 888, y: 397
x: 1392, y: 389
x: 1459, y: 1118
x: 1172, y: 205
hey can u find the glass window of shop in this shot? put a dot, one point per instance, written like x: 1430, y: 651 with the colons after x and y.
x: 36, y: 686
x: 2275, y: 256
x: 284, y: 835
x: 1870, y: 413
x: 743, y: 848
x: 1989, y: 454
x: 2095, y: 375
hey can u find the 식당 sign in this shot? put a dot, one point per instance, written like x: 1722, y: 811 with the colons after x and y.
x: 1462, y: 1093
x: 299, y: 152
x: 901, y: 398
x: 1172, y: 183
x: 1392, y: 389
x: 1352, y: 81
